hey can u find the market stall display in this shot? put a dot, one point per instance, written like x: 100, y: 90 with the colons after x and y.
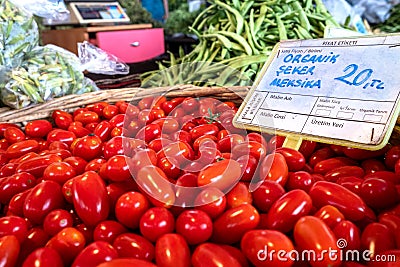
x: 29, y: 73
x: 310, y: 199
x: 241, y: 35
x: 160, y: 176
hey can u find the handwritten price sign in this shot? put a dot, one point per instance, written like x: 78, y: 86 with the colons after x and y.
x: 342, y: 91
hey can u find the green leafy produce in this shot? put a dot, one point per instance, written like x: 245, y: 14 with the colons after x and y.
x: 47, y: 72
x: 137, y: 14
x: 391, y: 25
x: 180, y: 20
x: 18, y: 34
x: 239, y: 35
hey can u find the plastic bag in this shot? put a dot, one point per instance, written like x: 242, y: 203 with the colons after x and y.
x: 96, y: 60
x: 375, y: 11
x: 341, y: 10
x: 18, y: 34
x: 49, y: 9
x: 47, y: 72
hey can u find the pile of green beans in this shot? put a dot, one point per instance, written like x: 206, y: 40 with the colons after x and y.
x: 47, y: 72
x: 239, y: 35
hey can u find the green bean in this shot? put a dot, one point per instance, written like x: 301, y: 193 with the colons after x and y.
x: 302, y: 15
x: 281, y: 28
x: 234, y: 30
x: 239, y: 18
x: 239, y: 39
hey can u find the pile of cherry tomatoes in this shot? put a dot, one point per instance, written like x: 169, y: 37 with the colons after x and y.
x: 171, y: 182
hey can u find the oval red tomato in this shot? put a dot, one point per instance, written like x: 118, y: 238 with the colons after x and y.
x: 43, y: 198
x: 171, y: 250
x: 90, y: 198
x: 267, y: 248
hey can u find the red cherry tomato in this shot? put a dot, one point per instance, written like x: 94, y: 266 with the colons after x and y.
x: 43, y: 198
x: 153, y: 181
x: 253, y: 148
x: 43, y: 257
x: 37, y: 165
x: 288, y: 209
x: 156, y: 222
x: 230, y: 226
x: 88, y: 147
x: 223, y: 174
x: 108, y: 230
x: 117, y: 169
x: 56, y: 220
x: 59, y: 172
x: 312, y: 234
x: 87, y: 117
x: 239, y: 194
x: 261, y: 247
x: 61, y: 135
x: 140, y: 159
x: 330, y: 215
x: 149, y: 132
x: 384, y: 175
x: 38, y: 128
x: 344, y: 171
x: 69, y: 242
x: 212, y: 201
x: 274, y: 168
x: 393, y: 223
x: 36, y: 238
x: 324, y: 166
x: 14, y: 135
x: 16, y: 204
x: 14, y: 184
x: 113, y: 147
x: 4, y: 126
x: 377, y: 238
x: 90, y: 198
x: 130, y: 262
x: 77, y: 163
x: 95, y: 254
x: 391, y: 156
x: 213, y: 255
x: 78, y: 130
x: 294, y: 159
x: 362, y: 154
x: 348, y: 231
x: 378, y: 193
x: 96, y: 166
x: 228, y: 142
x: 326, y: 193
x: 134, y: 246
x: 21, y: 148
x: 249, y: 165
x: 171, y: 250
x: 300, y: 180
x: 267, y: 194
x: 307, y: 148
x: 195, y: 226
x: 117, y: 121
x: 372, y: 166
x: 9, y: 250
x: 14, y: 225
x: 130, y: 207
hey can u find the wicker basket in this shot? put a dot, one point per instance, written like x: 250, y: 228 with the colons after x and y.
x: 71, y: 102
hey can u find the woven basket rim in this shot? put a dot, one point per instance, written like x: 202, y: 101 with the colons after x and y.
x: 72, y: 102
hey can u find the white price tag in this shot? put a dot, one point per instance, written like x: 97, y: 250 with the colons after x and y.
x: 330, y: 90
